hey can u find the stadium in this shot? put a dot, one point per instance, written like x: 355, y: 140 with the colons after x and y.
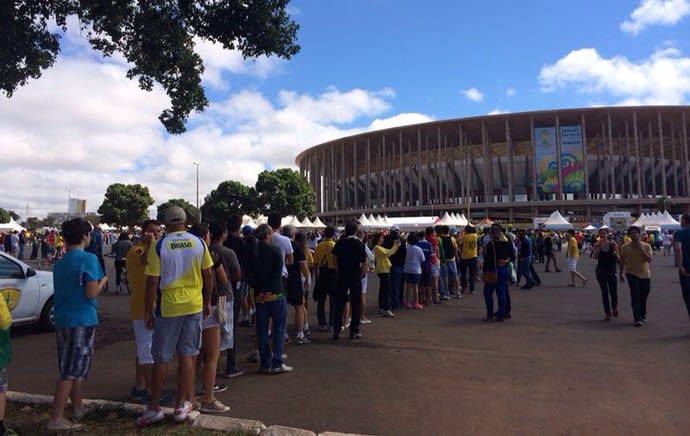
x: 584, y: 162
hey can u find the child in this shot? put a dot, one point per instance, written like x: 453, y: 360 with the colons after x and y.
x: 77, y: 279
x: 5, y: 357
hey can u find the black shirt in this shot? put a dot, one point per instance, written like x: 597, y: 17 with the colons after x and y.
x: 350, y: 254
x: 266, y: 275
x: 294, y: 279
x: 503, y: 250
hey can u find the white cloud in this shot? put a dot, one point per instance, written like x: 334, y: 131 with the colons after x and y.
x: 510, y: 92
x: 84, y: 126
x: 498, y: 111
x: 663, y: 78
x: 473, y: 94
x: 652, y: 12
x: 404, y: 119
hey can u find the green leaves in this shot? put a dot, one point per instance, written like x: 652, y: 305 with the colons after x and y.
x: 125, y: 205
x: 189, y: 208
x: 229, y: 197
x: 155, y: 36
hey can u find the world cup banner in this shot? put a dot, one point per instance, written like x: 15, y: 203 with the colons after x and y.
x: 546, y: 160
x: 572, y: 159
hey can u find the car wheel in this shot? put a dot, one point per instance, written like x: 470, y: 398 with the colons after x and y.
x: 47, y: 321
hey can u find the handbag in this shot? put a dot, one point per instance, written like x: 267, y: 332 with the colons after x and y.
x: 491, y: 277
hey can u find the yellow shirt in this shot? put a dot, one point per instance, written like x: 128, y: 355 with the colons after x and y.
x: 634, y: 264
x: 381, y: 258
x: 323, y: 256
x: 137, y: 280
x: 626, y: 239
x: 182, y: 258
x: 468, y: 246
x: 309, y: 256
x: 573, y: 251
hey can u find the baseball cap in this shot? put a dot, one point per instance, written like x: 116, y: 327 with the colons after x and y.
x: 395, y: 228
x: 246, y: 230
x: 174, y: 215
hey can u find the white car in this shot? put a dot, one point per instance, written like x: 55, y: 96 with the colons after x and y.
x: 28, y: 293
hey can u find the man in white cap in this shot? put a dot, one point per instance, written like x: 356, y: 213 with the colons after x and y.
x: 177, y: 268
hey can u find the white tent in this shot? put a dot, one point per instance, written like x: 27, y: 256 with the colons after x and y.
x: 318, y: 224
x: 447, y: 220
x: 295, y: 222
x: 363, y: 221
x: 412, y: 223
x: 589, y: 228
x: 557, y: 222
x: 667, y: 222
x: 372, y: 219
x: 641, y: 221
x: 307, y: 224
x: 286, y: 220
x: 10, y: 226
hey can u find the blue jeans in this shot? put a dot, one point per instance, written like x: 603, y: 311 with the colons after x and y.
x: 396, y: 285
x: 500, y: 287
x: 443, y: 273
x: 277, y: 311
x: 524, y: 269
x: 452, y: 272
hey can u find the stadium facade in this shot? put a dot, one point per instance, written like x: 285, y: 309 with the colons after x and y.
x: 583, y: 162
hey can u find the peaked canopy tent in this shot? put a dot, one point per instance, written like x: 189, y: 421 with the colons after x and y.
x: 557, y: 222
x: 11, y: 226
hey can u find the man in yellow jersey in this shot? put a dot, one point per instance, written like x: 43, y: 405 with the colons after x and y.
x: 468, y: 258
x: 178, y: 267
x: 325, y: 279
x: 136, y: 263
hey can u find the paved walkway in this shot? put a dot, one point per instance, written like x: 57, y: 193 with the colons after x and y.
x: 555, y: 368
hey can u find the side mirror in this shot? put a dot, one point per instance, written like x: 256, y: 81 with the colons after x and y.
x: 30, y: 272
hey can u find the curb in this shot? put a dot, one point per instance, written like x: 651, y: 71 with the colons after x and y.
x: 207, y: 422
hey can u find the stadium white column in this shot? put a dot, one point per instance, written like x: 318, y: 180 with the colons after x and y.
x: 419, y: 168
x: 343, y: 177
x: 628, y: 161
x: 534, y: 164
x: 355, y: 176
x: 437, y: 164
x: 651, y: 158
x: 674, y: 158
x: 486, y: 163
x: 612, y: 173
x: 583, y: 132
x: 686, y: 176
x: 664, y: 188
x: 558, y: 159
x: 638, y: 156
x: 368, y: 196
x: 511, y: 167
x: 402, y: 170
x: 384, y: 178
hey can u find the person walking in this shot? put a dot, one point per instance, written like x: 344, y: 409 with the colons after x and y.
x: 607, y: 254
x: 549, y: 253
x: 681, y: 242
x: 573, y: 254
x: 468, y: 259
x: 525, y: 259
x: 179, y: 278
x: 635, y: 259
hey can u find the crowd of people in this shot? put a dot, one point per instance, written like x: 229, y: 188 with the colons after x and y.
x: 193, y: 287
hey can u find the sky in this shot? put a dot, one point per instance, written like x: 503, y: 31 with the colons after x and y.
x: 364, y: 65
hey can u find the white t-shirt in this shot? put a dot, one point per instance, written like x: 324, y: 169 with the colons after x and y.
x: 414, y: 257
x: 283, y: 242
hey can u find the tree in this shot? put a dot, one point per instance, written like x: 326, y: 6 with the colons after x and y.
x: 32, y: 223
x: 4, y: 216
x: 155, y: 36
x: 190, y: 209
x: 286, y: 192
x: 125, y: 205
x: 664, y: 203
x: 228, y: 198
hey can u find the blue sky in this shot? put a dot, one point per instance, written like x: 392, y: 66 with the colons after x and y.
x: 364, y: 65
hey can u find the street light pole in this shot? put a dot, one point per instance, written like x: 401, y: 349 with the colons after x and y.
x: 197, y: 189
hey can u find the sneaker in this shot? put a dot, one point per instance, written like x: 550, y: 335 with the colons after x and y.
x: 347, y: 324
x: 417, y: 306
x: 445, y: 298
x: 307, y: 332
x: 233, y: 372
x: 150, y: 417
x: 182, y: 411
x: 607, y: 317
x: 196, y: 404
x: 365, y: 321
x: 302, y: 340
x: 458, y: 295
x: 219, y: 387
x: 355, y: 336
x: 637, y: 323
x: 253, y: 356
x: 63, y: 425
x: 139, y: 396
x: 644, y: 320
x: 213, y: 407
x: 615, y: 312
x: 388, y: 314
x: 281, y: 369
x: 325, y: 328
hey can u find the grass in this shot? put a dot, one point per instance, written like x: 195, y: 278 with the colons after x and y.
x: 30, y: 419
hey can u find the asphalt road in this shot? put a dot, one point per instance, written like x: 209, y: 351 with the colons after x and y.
x: 555, y: 368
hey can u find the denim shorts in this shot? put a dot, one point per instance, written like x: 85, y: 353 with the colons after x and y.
x: 75, y: 351
x: 142, y: 337
x: 413, y: 278
x: 176, y: 334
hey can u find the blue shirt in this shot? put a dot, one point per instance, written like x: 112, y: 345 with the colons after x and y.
x: 414, y: 257
x: 426, y: 249
x: 70, y: 275
x: 683, y: 236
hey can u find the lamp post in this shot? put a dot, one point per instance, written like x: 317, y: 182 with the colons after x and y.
x: 197, y: 189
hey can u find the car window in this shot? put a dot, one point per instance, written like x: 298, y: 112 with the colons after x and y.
x: 9, y: 269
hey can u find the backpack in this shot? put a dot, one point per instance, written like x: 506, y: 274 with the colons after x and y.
x: 447, y: 247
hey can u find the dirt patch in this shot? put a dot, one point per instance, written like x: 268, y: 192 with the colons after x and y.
x: 29, y: 419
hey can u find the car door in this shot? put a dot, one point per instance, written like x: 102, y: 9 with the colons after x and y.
x: 20, y: 293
